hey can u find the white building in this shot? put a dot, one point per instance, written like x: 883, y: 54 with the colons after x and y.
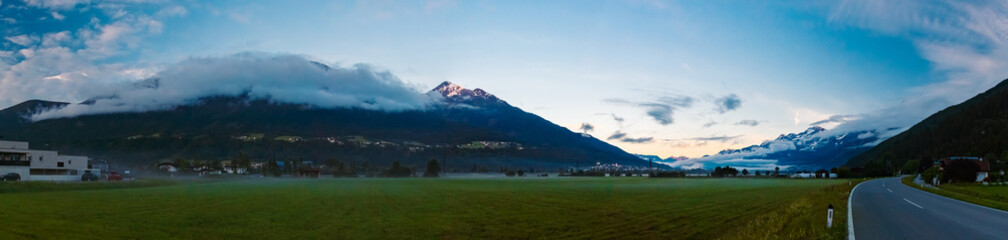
x: 41, y: 165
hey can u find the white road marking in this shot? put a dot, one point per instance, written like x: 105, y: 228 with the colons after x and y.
x: 908, y: 201
x: 887, y: 189
x: 850, y: 213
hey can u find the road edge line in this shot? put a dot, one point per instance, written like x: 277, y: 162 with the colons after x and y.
x: 950, y: 198
x: 850, y: 213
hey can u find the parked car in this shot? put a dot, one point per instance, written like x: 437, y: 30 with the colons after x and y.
x: 11, y: 177
x: 114, y: 176
x: 90, y: 177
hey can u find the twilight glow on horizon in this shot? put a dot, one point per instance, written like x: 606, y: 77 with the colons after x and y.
x: 668, y: 78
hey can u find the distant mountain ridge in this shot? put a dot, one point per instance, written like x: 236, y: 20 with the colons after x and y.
x: 472, y: 127
x: 19, y: 113
x: 808, y: 150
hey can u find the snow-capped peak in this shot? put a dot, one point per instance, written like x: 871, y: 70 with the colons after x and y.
x: 456, y: 93
x: 449, y: 89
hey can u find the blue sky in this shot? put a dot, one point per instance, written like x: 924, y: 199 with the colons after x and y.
x: 664, y: 67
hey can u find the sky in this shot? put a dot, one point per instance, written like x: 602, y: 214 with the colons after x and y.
x: 668, y: 78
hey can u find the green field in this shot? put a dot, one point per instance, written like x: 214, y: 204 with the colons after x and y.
x: 582, y: 208
x: 990, y: 196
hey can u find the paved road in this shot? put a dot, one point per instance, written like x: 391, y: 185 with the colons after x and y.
x: 887, y: 209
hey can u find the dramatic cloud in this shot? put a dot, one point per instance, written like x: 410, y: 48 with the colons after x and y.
x: 616, y: 135
x: 662, y: 113
x: 282, y: 78
x: 660, y: 109
x: 622, y: 137
x: 728, y: 103
x: 71, y: 59
x: 964, y: 41
x: 587, y: 127
x: 751, y: 123
x: 638, y: 140
x: 618, y: 119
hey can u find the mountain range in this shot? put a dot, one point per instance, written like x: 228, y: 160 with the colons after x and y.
x: 811, y: 150
x: 468, y: 128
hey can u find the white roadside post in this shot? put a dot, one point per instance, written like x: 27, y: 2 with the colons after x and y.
x: 829, y: 216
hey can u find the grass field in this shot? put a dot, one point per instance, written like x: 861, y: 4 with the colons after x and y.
x: 583, y: 208
x: 990, y: 196
x: 23, y: 187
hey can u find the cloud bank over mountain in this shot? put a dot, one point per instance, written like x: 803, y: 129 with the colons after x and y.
x: 806, y: 150
x: 278, y: 77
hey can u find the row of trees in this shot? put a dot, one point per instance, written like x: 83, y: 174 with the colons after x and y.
x: 726, y: 171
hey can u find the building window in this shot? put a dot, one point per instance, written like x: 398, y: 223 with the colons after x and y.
x: 40, y: 171
x: 73, y: 172
x: 59, y: 164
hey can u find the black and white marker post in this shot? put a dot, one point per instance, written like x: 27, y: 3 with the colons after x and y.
x: 829, y: 216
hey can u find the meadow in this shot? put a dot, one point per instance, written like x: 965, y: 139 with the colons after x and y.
x: 504, y: 208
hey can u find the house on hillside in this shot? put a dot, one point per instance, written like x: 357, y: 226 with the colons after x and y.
x: 231, y: 167
x: 167, y: 166
x: 983, y: 166
x: 308, y: 169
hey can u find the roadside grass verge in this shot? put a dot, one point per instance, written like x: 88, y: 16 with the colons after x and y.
x: 804, y: 218
x: 990, y: 196
x: 37, y: 186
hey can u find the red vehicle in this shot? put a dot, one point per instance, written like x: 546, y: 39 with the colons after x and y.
x: 114, y: 176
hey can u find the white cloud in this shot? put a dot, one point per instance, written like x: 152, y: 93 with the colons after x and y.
x: 172, y: 11
x: 56, y: 4
x: 23, y: 39
x: 69, y: 64
x: 56, y: 39
x: 745, y: 158
x: 54, y: 73
x: 58, y: 16
x: 966, y: 42
x: 282, y: 78
x: 114, y: 38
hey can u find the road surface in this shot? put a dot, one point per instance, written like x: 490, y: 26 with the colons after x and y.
x: 887, y: 209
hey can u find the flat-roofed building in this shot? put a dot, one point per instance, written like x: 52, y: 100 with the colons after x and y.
x: 40, y: 165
